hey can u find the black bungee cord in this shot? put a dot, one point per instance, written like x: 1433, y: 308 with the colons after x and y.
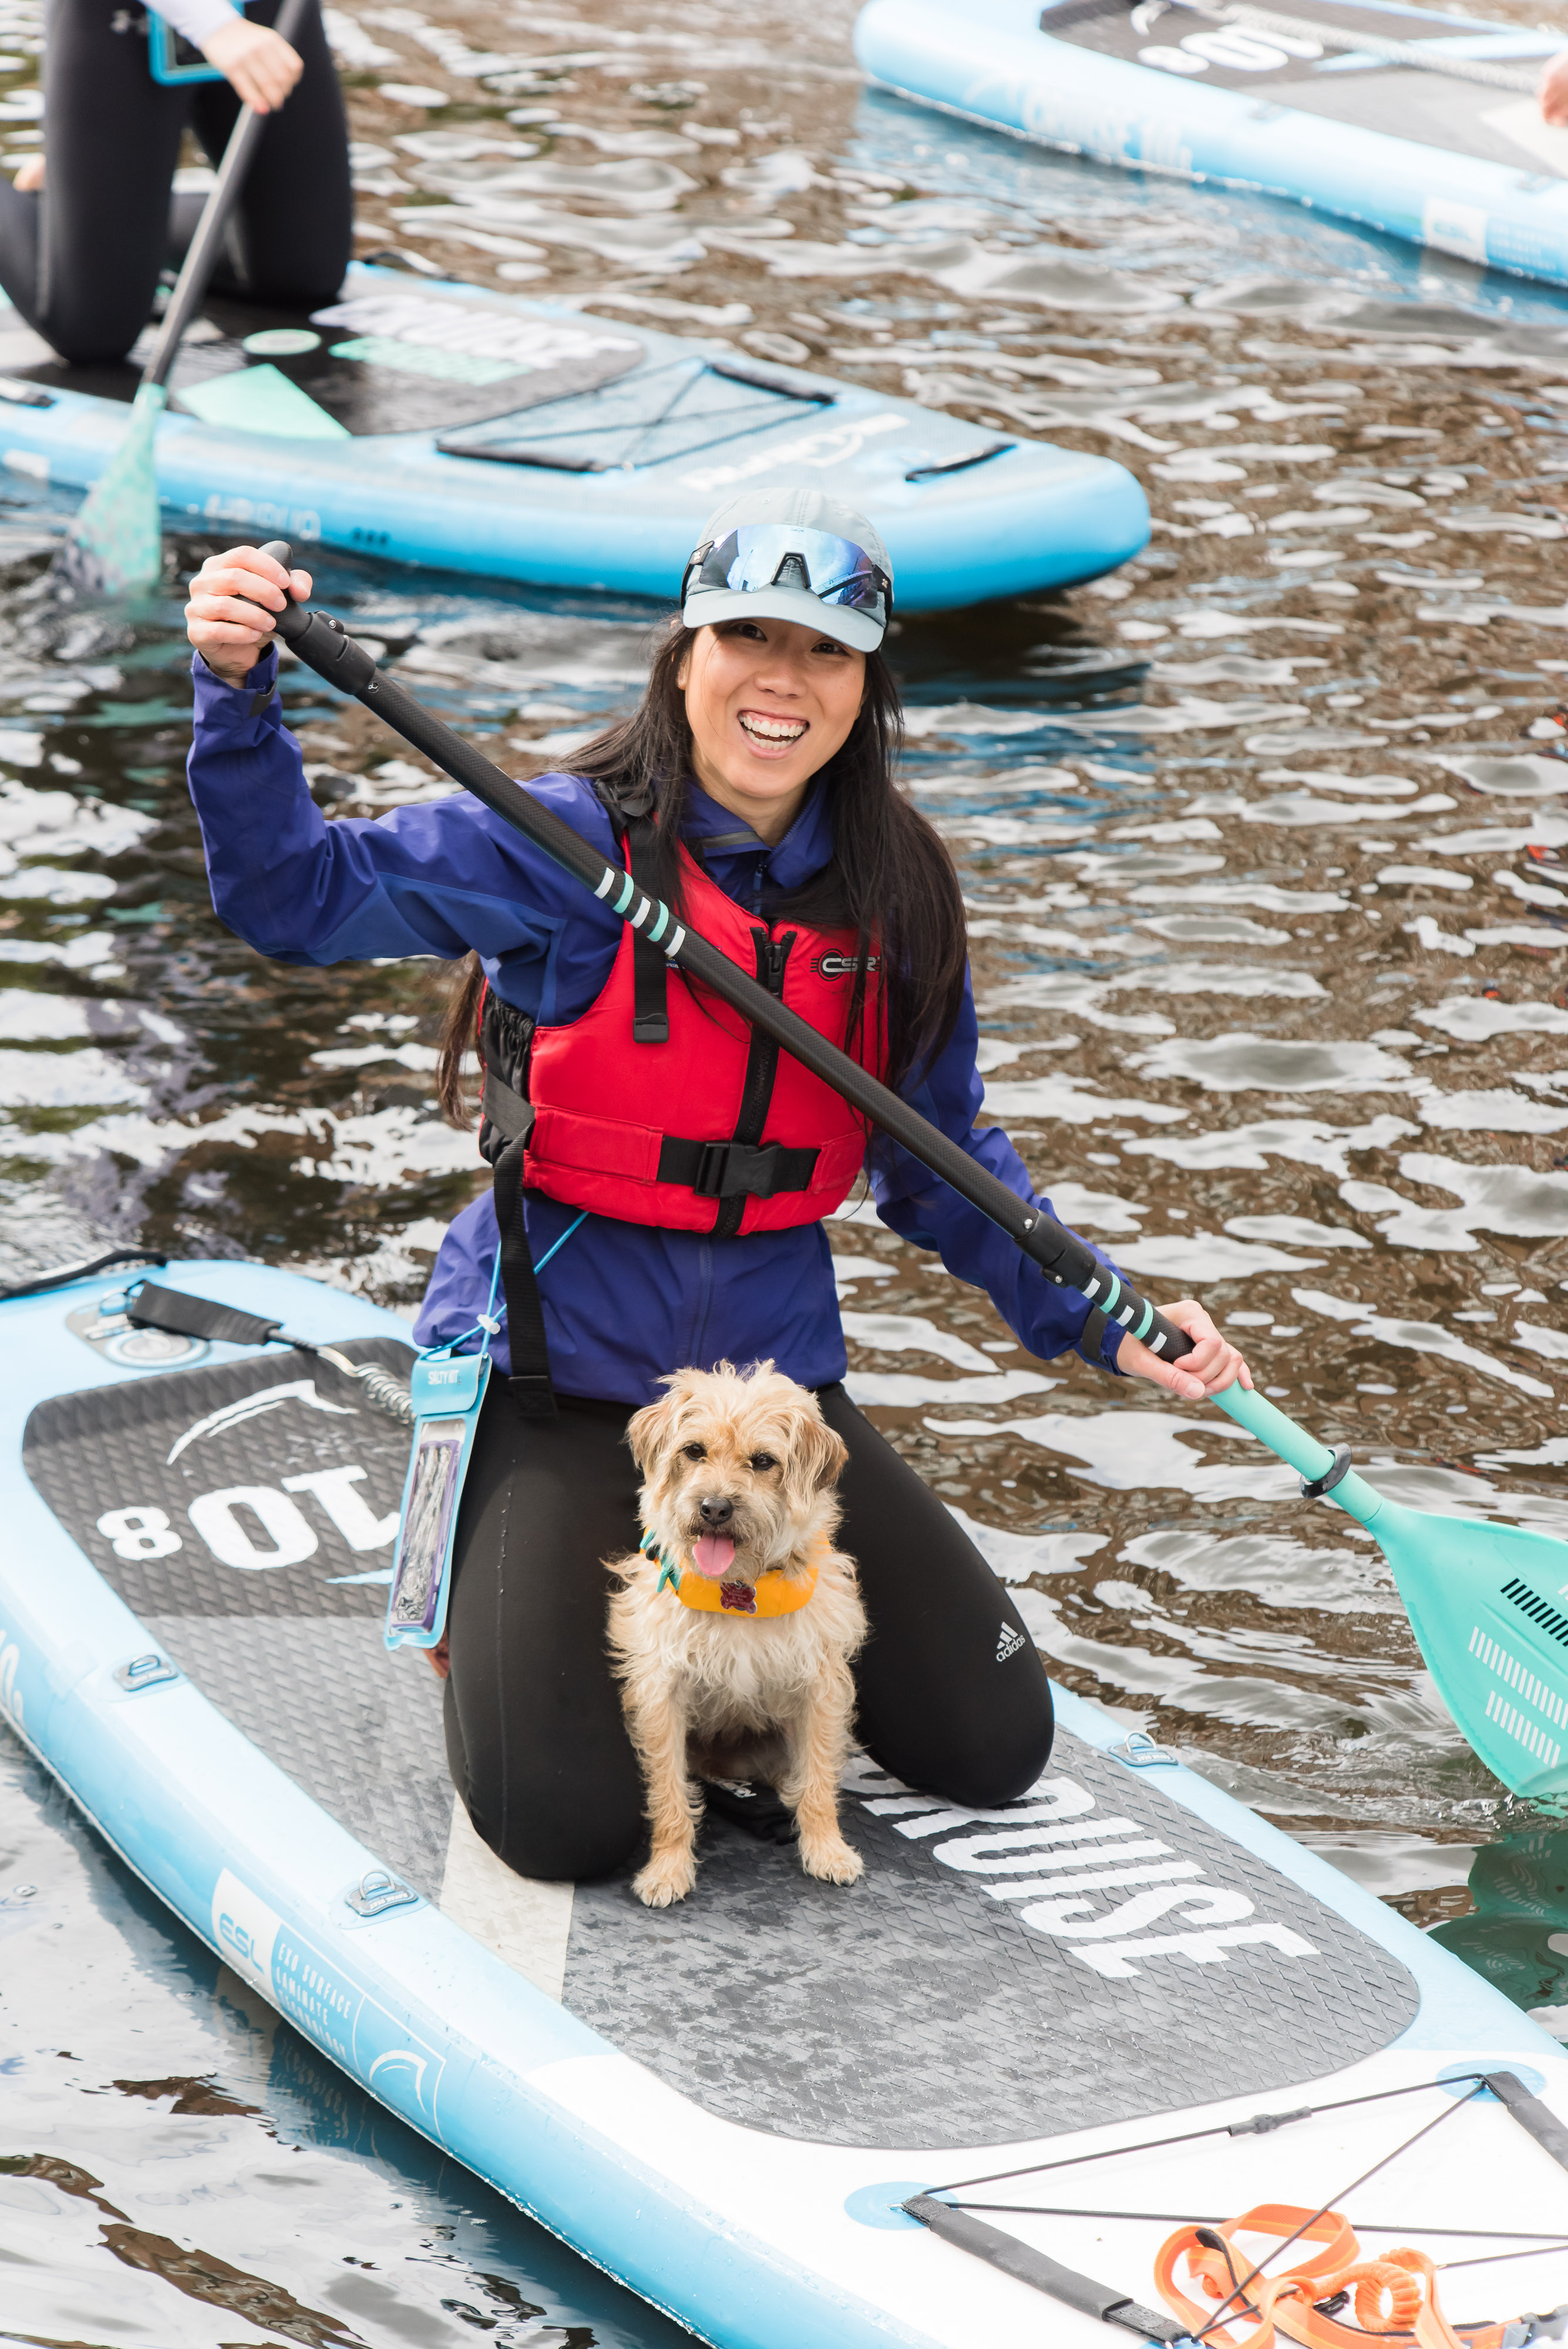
x: 1334, y: 2201
x: 1259, y: 2124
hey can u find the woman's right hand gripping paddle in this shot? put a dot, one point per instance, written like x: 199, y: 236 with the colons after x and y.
x: 234, y: 597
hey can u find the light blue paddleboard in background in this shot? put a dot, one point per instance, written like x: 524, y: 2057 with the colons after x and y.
x: 460, y: 428
x: 1451, y: 164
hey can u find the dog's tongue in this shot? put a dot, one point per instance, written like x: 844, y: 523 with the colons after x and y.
x: 713, y: 1554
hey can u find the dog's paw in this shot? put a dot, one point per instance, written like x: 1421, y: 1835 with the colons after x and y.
x: 832, y: 1859
x: 668, y: 1877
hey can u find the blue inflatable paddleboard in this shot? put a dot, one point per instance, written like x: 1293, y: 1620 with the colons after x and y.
x: 461, y: 428
x: 1162, y: 86
x: 725, y: 2104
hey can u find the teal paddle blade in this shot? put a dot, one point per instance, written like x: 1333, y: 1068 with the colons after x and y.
x: 115, y: 545
x: 1488, y: 1604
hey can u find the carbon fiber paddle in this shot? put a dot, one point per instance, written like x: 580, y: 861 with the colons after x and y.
x: 115, y: 544
x: 1481, y: 1598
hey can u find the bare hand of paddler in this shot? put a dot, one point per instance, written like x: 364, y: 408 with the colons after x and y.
x: 258, y: 63
x: 222, y: 619
x: 1213, y: 1364
x: 1552, y: 89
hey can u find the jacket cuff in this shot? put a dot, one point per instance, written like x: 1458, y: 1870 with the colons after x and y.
x: 1099, y: 1341
x: 218, y: 701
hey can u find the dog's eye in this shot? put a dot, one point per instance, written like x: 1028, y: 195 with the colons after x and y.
x: 694, y: 1451
x: 761, y: 1460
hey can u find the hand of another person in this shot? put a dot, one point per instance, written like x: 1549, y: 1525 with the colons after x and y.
x: 30, y: 177
x: 440, y: 1659
x: 1212, y: 1365
x: 1553, y: 89
x: 229, y: 633
x: 257, y: 64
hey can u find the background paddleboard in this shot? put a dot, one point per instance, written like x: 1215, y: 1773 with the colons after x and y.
x: 1157, y: 87
x: 452, y: 425
x: 722, y: 2104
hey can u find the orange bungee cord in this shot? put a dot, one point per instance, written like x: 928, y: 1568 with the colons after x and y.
x: 1394, y: 2296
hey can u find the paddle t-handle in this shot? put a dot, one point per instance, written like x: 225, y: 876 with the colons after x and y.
x: 326, y: 645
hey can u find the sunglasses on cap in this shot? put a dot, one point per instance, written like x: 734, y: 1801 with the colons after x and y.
x: 759, y: 556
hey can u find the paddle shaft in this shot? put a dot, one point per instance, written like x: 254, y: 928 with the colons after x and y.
x: 201, y: 255
x: 1372, y: 44
x: 325, y: 645
x: 1298, y: 1450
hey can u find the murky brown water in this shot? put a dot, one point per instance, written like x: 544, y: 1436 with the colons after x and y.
x: 1270, y: 952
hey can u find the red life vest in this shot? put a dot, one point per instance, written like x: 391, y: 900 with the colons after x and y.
x: 716, y: 1130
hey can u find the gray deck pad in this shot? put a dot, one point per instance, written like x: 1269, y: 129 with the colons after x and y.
x: 912, y: 2009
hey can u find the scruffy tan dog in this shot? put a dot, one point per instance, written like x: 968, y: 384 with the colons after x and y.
x: 736, y: 1623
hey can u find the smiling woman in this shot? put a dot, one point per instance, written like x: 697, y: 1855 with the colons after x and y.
x: 689, y: 1164
x: 769, y: 702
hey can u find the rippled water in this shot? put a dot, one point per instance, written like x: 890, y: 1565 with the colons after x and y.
x: 1269, y: 928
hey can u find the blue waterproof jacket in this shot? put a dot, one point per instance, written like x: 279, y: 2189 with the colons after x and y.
x: 624, y: 1303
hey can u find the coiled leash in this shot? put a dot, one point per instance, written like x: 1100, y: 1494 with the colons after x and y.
x: 150, y: 1306
x: 1394, y: 2296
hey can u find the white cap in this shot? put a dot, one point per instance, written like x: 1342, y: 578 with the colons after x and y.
x: 798, y: 508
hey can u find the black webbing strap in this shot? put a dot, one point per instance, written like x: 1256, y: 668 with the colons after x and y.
x: 530, y: 1382
x: 729, y: 1170
x: 650, y: 964
x: 508, y: 1112
x: 762, y: 1067
x: 1549, y: 2132
x: 1026, y: 2265
x: 153, y: 1306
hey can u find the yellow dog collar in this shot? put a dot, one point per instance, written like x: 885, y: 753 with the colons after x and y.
x: 774, y: 1593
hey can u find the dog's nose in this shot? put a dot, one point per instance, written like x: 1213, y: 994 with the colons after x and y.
x: 716, y: 1513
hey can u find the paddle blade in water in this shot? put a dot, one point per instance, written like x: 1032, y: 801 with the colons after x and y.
x: 1489, y: 1606
x: 115, y: 545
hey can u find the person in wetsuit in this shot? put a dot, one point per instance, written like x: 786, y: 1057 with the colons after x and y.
x: 84, y: 235
x: 754, y: 790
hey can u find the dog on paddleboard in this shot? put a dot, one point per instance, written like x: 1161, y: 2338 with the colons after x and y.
x: 735, y: 1624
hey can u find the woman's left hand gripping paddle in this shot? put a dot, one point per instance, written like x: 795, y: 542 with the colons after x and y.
x: 1213, y: 1364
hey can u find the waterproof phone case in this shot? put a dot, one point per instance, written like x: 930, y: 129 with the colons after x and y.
x: 172, y: 58
x: 447, y: 1390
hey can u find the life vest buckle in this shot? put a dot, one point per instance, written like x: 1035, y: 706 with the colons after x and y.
x: 725, y: 1170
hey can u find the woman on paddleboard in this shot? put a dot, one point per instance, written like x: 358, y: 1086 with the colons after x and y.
x: 85, y: 229
x: 664, y: 1169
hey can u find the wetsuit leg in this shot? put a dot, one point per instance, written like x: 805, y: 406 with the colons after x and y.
x: 293, y: 235
x: 536, y: 1738
x: 951, y: 1693
x: 81, y: 261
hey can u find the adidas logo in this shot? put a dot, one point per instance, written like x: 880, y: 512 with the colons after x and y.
x: 1008, y: 1644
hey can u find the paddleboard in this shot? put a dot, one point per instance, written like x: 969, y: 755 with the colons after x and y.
x: 454, y: 426
x: 728, y: 2103
x: 1160, y: 87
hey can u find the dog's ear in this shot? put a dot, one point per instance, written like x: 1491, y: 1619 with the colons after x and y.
x: 817, y: 1455
x: 649, y: 1431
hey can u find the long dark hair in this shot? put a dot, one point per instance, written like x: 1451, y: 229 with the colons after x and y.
x: 889, y: 880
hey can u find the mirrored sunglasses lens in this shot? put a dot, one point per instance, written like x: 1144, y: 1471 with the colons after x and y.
x: 836, y: 570
x: 829, y: 563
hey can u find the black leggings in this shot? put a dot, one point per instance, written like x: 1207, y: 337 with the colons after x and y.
x: 951, y: 1695
x: 81, y: 261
